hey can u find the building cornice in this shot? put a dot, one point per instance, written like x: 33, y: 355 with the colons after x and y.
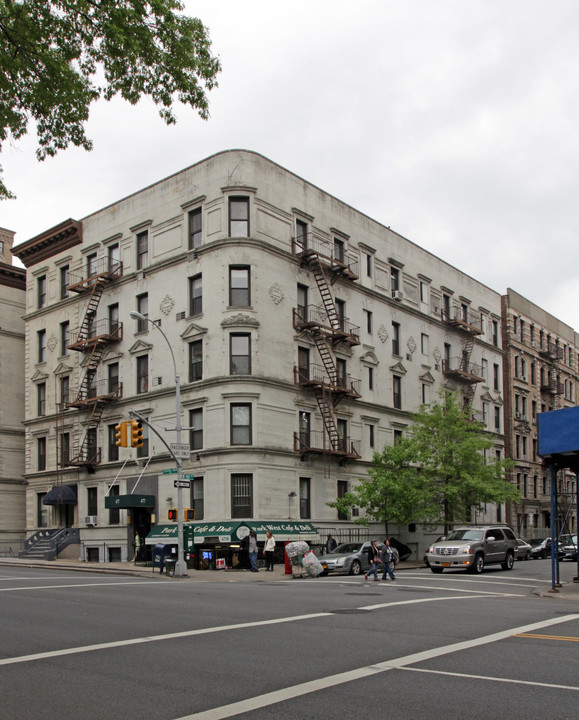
x: 49, y: 243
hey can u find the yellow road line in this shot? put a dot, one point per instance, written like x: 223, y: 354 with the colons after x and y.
x: 547, y: 637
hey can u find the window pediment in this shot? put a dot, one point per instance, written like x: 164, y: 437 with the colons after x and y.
x: 140, y: 347
x: 399, y: 369
x: 192, y: 331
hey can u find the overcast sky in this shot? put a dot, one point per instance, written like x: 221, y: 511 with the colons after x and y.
x: 452, y: 121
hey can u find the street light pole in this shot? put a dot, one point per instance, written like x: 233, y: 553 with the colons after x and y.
x: 180, y: 566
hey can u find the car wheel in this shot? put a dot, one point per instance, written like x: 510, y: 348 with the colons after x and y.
x: 356, y: 568
x: 509, y: 562
x: 436, y: 570
x: 528, y: 555
x: 426, y: 561
x: 478, y: 565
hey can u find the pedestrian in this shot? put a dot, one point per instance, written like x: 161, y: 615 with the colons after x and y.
x: 268, y: 549
x: 244, y: 552
x: 252, y: 549
x: 387, y: 557
x: 331, y: 544
x: 373, y: 559
x: 137, y: 546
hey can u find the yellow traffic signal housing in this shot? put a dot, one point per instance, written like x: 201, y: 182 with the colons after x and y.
x: 189, y: 514
x: 172, y: 514
x: 121, y: 434
x: 136, y: 434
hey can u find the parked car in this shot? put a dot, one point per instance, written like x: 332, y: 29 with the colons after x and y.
x: 543, y: 550
x: 349, y: 558
x: 523, y: 551
x: 425, y: 556
x: 570, y: 549
x: 474, y: 547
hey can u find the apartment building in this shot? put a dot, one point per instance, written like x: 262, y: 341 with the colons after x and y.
x: 541, y: 373
x: 12, y: 308
x: 304, y: 334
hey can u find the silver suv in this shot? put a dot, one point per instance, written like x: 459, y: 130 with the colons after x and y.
x: 474, y: 547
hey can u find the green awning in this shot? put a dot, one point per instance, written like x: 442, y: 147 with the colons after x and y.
x: 232, y: 531
x: 123, y: 502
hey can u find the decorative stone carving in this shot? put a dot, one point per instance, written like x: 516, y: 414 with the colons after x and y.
x: 276, y: 293
x: 437, y: 355
x: 167, y: 304
x: 240, y: 319
x: 411, y: 344
x: 382, y: 333
x: 52, y: 343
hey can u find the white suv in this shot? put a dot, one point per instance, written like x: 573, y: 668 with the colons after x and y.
x: 474, y: 547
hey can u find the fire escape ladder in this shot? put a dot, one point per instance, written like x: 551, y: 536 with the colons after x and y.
x: 327, y: 412
x: 90, y: 312
x: 326, y: 295
x: 470, y: 389
x: 326, y: 357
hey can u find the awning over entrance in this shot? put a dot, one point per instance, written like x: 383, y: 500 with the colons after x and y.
x: 233, y: 531
x: 123, y: 502
x: 61, y: 495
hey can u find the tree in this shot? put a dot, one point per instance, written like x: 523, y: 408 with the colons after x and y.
x: 57, y: 57
x: 435, y: 474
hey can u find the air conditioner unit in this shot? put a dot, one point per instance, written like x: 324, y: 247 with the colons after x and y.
x: 398, y: 295
x: 90, y: 519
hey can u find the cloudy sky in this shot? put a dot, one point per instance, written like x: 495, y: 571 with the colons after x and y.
x: 452, y: 121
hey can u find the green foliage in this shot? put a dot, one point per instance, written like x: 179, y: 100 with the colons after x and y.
x: 56, y: 58
x: 435, y: 474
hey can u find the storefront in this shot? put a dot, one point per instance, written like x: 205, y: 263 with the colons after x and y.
x: 215, y: 545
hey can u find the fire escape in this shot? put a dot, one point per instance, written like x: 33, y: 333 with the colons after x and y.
x: 327, y: 328
x: 550, y: 384
x: 461, y: 368
x: 91, y: 339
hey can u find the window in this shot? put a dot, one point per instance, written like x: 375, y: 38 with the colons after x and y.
x: 64, y: 281
x: 238, y: 217
x: 143, y: 309
x: 196, y: 431
x: 303, y: 363
x: 368, y: 265
x: 395, y: 338
x: 305, y: 509
x: 423, y: 292
x: 368, y: 316
x: 114, y: 513
x: 113, y: 378
x: 397, y: 391
x: 142, y: 374
x: 195, y: 295
x: 91, y: 265
x: 342, y: 426
x: 113, y: 450
x: 342, y: 373
x: 241, y: 496
x: 497, y: 419
x: 41, y: 511
x: 370, y: 378
x: 41, y: 399
x: 196, y: 360
x: 64, y: 389
x: 114, y: 322
x: 91, y: 501
x: 424, y: 394
x: 515, y: 329
x: 342, y: 490
x: 424, y: 344
x: 240, y: 424
x: 302, y: 302
x: 396, y: 437
x: 301, y: 235
x: 64, y: 338
x: 239, y: 287
x: 41, y: 287
x: 496, y: 376
x: 339, y: 250
x: 495, y: 333
x: 394, y: 279
x: 240, y: 354
x: 197, y: 498
x: 142, y: 250
x: 485, y: 413
x: 114, y: 257
x: 41, y: 453
x: 41, y: 340
x: 195, y: 226
x: 371, y: 435
x: 64, y: 448
x: 341, y: 310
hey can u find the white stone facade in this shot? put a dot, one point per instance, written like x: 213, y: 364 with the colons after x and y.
x: 397, y: 288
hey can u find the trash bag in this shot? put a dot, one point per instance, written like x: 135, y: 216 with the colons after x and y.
x: 297, y: 549
x: 312, y: 565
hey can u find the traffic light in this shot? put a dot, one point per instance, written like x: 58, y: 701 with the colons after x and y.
x: 136, y: 434
x: 121, y: 434
x: 189, y: 514
x: 172, y: 514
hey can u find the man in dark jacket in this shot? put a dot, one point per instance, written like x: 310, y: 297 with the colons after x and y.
x: 374, y: 560
x: 387, y: 557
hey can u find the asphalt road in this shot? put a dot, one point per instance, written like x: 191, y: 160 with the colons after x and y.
x: 88, y: 646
